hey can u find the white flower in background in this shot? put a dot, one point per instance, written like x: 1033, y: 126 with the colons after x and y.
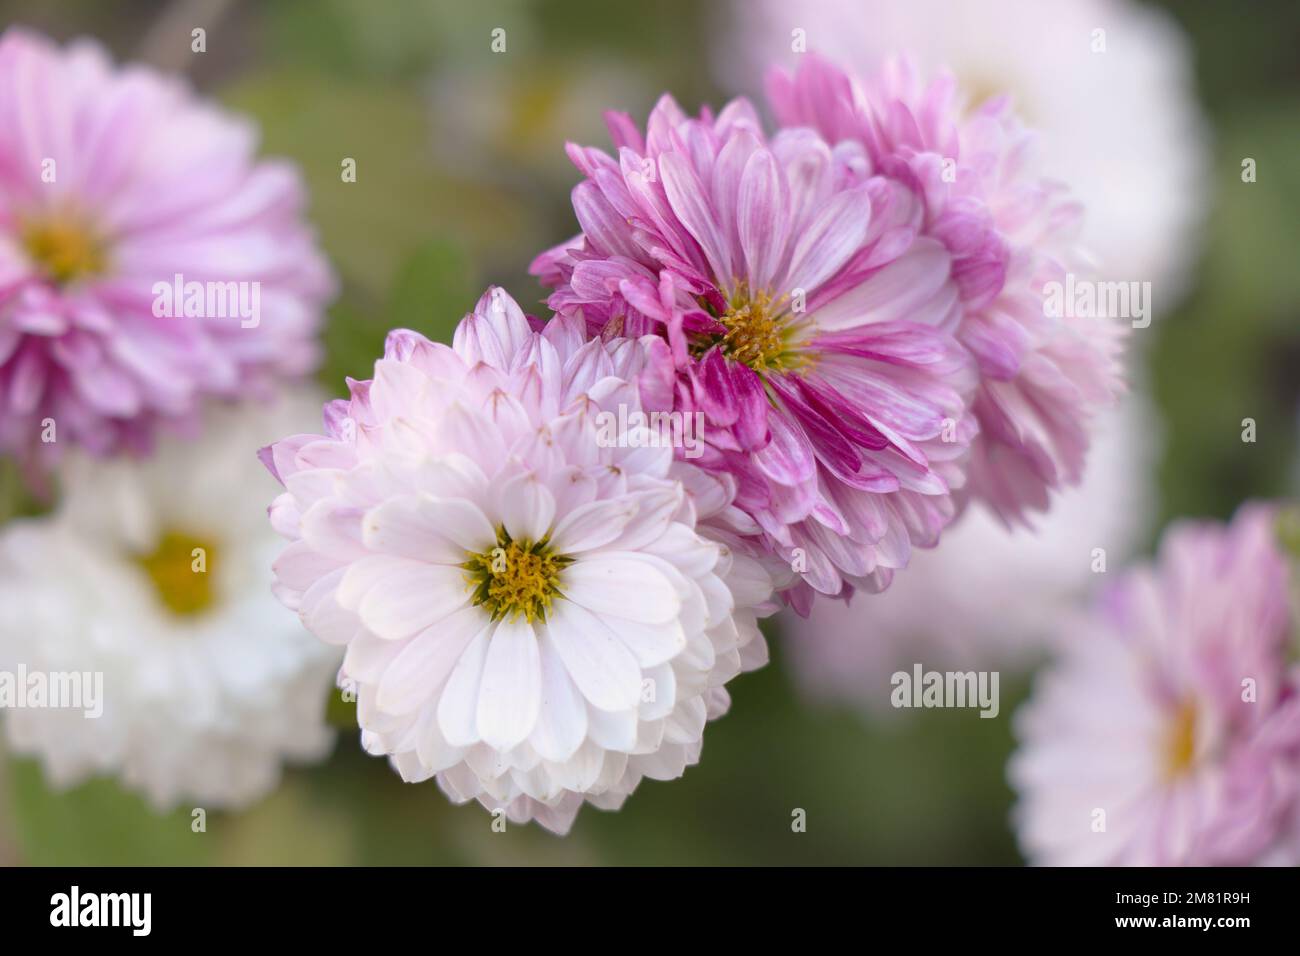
x: 207, y: 687
x: 534, y: 614
x: 1122, y: 126
x: 986, y: 597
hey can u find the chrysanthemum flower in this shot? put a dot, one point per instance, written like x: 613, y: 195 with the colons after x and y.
x: 1169, y: 733
x: 1009, y: 233
x: 535, y: 610
x: 155, y: 575
x: 114, y: 183
x: 1126, y: 132
x: 805, y: 319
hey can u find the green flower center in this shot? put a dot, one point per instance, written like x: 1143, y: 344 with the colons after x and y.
x: 515, y: 577
x: 179, y: 571
x: 64, y: 247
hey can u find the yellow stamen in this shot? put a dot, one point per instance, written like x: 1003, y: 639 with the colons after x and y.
x: 760, y: 331
x: 64, y: 247
x: 515, y: 577
x: 1180, y: 745
x: 180, y: 569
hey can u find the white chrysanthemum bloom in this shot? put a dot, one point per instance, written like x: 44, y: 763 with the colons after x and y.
x: 154, y: 574
x: 536, y: 610
x: 1106, y: 85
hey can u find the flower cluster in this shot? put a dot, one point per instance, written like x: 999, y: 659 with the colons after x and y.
x: 539, y: 616
x: 854, y: 303
x: 537, y: 587
x: 152, y: 272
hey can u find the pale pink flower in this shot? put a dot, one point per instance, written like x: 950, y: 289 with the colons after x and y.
x: 1009, y: 233
x: 534, y: 612
x: 1169, y: 732
x: 804, y: 318
x: 114, y: 181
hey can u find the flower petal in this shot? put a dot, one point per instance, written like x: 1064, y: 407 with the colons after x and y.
x: 510, y: 695
x: 602, y: 667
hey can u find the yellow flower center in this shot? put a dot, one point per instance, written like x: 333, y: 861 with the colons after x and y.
x: 761, y: 331
x: 64, y: 247
x: 1180, y: 744
x: 180, y: 569
x: 515, y: 577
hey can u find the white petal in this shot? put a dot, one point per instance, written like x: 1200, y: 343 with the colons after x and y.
x: 511, y: 692
x: 368, y: 657
x: 613, y: 731
x: 411, y: 526
x: 412, y: 597
x: 562, y: 723
x: 464, y: 523
x: 593, y: 525
x: 526, y: 507
x: 424, y: 664
x: 322, y: 615
x: 604, y: 670
x: 362, y: 575
x: 650, y: 644
x: 625, y: 586
x: 458, y: 707
x: 655, y: 510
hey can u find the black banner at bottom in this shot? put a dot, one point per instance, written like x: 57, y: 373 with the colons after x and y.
x: 373, y: 905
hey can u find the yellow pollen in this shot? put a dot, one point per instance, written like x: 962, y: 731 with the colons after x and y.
x: 64, y: 248
x: 515, y: 577
x: 760, y: 331
x: 1180, y: 745
x: 181, y: 572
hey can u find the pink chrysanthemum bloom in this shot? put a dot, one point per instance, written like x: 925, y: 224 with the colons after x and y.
x: 805, y: 319
x: 1169, y: 733
x: 536, y: 610
x: 1009, y: 234
x: 113, y: 183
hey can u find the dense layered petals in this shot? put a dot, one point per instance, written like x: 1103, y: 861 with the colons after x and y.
x: 147, y: 260
x: 1010, y: 236
x: 146, y: 596
x: 804, y: 320
x: 537, y: 609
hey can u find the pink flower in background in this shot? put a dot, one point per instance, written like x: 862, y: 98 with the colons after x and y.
x: 113, y: 182
x: 1169, y: 732
x: 536, y: 610
x: 1009, y: 233
x: 804, y: 317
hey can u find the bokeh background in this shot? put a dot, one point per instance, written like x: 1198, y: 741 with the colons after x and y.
x: 461, y: 179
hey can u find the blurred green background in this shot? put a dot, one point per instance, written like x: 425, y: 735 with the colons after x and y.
x: 461, y: 179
